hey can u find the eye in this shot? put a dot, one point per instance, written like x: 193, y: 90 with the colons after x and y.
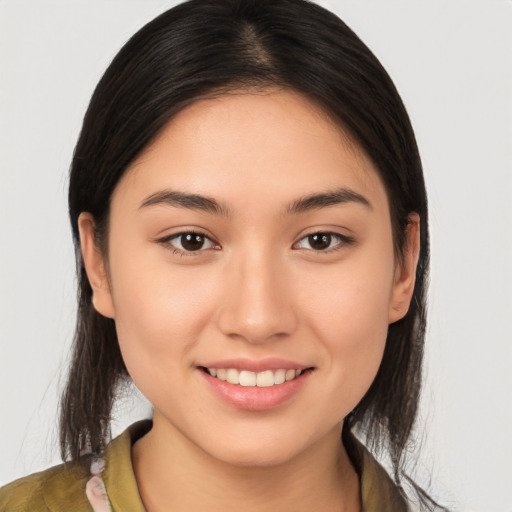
x: 323, y: 241
x: 189, y: 242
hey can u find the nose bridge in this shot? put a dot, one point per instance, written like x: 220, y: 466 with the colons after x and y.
x: 256, y: 305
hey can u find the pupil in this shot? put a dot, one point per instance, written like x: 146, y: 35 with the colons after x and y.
x: 192, y: 241
x: 320, y: 241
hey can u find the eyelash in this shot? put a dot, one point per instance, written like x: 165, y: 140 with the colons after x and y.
x: 167, y: 241
x: 343, y: 240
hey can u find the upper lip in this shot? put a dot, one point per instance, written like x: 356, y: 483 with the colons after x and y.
x: 256, y: 365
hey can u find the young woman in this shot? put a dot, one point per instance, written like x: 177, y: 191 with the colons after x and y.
x: 250, y: 217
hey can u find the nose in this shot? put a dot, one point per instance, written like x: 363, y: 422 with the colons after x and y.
x: 257, y: 301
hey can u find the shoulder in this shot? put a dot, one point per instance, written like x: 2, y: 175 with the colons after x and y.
x: 57, y: 489
x: 62, y: 488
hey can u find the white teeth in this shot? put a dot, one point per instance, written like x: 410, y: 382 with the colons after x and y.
x: 233, y: 376
x: 246, y: 378
x: 265, y: 379
x: 290, y: 374
x: 279, y: 376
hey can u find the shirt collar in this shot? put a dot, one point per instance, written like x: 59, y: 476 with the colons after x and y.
x: 378, y: 491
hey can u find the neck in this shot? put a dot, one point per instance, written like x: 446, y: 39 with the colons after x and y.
x: 174, y: 474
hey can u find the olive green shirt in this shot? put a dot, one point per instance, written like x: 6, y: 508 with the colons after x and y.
x: 62, y: 488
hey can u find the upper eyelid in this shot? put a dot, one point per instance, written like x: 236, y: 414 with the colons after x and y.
x: 331, y: 233
x: 324, y: 232
x: 195, y: 231
x: 333, y: 229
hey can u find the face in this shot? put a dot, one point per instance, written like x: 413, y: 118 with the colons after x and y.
x: 251, y: 242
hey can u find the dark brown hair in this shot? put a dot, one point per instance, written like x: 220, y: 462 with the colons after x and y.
x: 205, y: 46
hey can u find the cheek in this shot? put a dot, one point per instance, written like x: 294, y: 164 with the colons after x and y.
x: 352, y: 320
x: 158, y: 313
x: 352, y: 297
x: 358, y: 340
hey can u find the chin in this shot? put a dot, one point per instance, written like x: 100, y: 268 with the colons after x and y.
x: 258, y: 449
x: 258, y: 457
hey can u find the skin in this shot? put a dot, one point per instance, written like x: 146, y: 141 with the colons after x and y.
x: 258, y: 289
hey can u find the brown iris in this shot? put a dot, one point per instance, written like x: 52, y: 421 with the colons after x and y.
x: 192, y: 241
x: 320, y: 241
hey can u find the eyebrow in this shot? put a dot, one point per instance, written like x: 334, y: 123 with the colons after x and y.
x: 185, y: 200
x: 207, y: 204
x: 323, y: 200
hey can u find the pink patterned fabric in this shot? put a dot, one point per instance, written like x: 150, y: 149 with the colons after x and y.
x: 95, y: 488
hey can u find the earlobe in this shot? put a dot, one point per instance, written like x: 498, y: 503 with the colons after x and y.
x: 95, y: 268
x: 405, y: 274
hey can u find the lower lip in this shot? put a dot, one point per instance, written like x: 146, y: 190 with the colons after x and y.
x: 253, y: 398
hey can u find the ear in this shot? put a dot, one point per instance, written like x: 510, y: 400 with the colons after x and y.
x: 95, y: 267
x: 405, y: 272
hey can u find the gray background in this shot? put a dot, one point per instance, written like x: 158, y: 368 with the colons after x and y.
x: 451, y: 61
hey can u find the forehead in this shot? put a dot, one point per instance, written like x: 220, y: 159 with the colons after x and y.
x: 271, y: 144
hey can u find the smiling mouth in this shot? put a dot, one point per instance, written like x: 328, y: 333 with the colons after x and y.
x: 246, y: 378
